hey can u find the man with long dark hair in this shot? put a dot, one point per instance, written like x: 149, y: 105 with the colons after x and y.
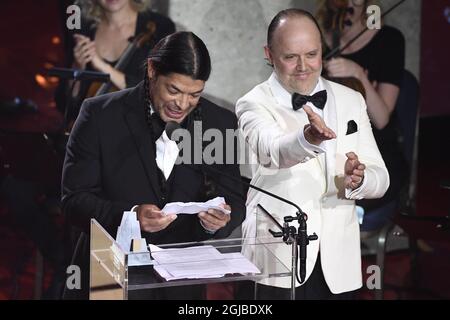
x: 119, y: 156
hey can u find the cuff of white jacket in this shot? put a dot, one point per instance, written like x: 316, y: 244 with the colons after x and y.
x: 311, y: 149
x: 356, y: 194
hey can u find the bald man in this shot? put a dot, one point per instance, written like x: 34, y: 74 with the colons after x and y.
x: 314, y: 145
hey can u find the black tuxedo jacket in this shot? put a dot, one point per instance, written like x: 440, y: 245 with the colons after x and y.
x: 110, y: 166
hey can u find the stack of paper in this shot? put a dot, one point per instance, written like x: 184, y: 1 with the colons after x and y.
x: 128, y: 231
x: 199, y: 262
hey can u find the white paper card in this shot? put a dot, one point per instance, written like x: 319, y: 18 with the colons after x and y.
x: 195, y: 207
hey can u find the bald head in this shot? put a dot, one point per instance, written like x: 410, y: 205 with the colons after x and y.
x: 290, y: 14
x: 295, y: 50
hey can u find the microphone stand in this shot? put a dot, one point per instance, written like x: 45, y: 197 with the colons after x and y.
x: 75, y: 75
x: 297, y: 238
x: 60, y: 140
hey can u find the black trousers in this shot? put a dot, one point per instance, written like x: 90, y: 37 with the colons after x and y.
x: 315, y: 288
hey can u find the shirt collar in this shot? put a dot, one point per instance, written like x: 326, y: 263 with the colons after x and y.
x: 283, y: 96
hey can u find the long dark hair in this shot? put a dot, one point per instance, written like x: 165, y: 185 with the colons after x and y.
x: 182, y: 53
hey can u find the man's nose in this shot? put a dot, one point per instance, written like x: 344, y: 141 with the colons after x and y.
x: 301, y: 64
x: 183, y: 102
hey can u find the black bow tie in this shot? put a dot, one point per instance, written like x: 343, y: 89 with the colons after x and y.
x: 158, y: 125
x: 318, y: 99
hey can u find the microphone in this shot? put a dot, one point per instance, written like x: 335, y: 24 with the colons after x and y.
x: 75, y: 74
x: 17, y: 104
x: 302, y: 238
x: 170, y: 128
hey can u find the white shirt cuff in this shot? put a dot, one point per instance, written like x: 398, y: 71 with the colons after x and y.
x: 312, y: 149
x: 354, y: 194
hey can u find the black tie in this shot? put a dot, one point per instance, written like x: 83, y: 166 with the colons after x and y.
x: 158, y: 125
x: 318, y: 99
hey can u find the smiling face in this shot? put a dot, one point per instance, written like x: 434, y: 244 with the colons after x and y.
x: 174, y: 95
x: 296, y: 54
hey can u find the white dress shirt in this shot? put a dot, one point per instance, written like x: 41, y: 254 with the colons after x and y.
x: 166, y: 153
x: 284, y: 98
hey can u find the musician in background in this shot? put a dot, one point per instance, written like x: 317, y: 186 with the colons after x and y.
x: 377, y: 60
x: 106, y: 29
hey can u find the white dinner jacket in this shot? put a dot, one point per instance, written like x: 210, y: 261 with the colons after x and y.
x: 313, y: 181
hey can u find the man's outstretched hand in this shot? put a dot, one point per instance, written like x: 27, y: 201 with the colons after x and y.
x: 316, y: 131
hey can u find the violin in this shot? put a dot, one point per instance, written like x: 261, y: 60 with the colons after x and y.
x: 336, y: 24
x: 98, y: 88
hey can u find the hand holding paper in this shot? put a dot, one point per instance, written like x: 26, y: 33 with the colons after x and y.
x: 213, y: 214
x: 152, y: 219
x: 214, y: 219
x: 196, y: 207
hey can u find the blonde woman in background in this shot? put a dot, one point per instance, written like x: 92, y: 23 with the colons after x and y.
x: 107, y: 28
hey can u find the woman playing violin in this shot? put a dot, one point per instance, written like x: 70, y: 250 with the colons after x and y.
x: 106, y: 33
x: 377, y: 60
x: 107, y: 27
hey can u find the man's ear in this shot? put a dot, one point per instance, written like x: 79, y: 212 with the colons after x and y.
x: 150, y: 69
x: 268, y: 54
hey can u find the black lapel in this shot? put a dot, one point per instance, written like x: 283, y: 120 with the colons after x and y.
x: 135, y: 118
